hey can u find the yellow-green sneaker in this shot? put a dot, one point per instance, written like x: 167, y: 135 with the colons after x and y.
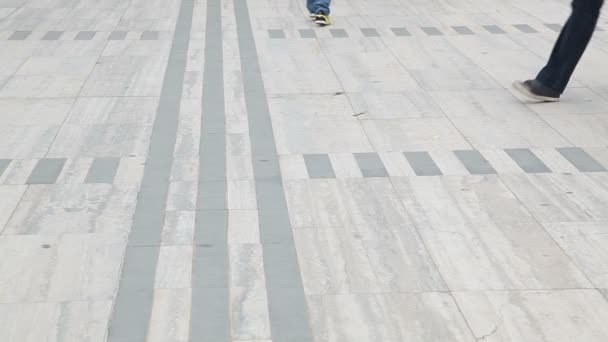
x: 322, y: 20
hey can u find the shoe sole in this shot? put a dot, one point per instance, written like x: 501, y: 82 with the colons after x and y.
x: 519, y: 86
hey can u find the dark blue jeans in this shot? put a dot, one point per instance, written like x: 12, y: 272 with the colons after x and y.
x: 571, y: 45
x: 316, y: 6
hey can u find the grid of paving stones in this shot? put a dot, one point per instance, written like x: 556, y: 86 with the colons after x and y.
x: 224, y: 171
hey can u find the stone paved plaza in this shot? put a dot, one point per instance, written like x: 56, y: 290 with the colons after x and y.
x: 224, y: 171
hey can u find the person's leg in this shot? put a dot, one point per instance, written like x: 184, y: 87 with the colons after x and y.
x: 310, y: 4
x: 571, y: 45
x: 321, y: 6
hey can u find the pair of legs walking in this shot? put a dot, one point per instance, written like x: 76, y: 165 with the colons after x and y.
x: 567, y: 52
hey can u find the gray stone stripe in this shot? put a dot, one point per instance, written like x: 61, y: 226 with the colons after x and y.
x: 527, y: 160
x: 581, y: 159
x: 554, y: 27
x: 149, y: 35
x: 401, y: 31
x: 52, y: 35
x: 474, y: 162
x: 422, y: 164
x: 432, y: 31
x: 132, y: 308
x: 117, y: 35
x: 370, y: 32
x: 308, y: 33
x: 339, y: 33
x: 20, y: 35
x: 525, y: 28
x: 319, y: 166
x: 493, y: 29
x: 210, y: 317
x: 4, y: 163
x: 46, y: 171
x: 103, y: 170
x: 276, y: 34
x: 288, y: 311
x: 463, y: 30
x: 85, y: 35
x: 371, y: 165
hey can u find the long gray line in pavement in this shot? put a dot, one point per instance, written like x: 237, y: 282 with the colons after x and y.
x: 210, y: 318
x: 132, y: 308
x: 288, y: 311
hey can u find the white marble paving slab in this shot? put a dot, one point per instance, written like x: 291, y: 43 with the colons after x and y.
x: 52, y: 210
x: 558, y: 316
x: 71, y: 267
x: 316, y: 203
x: 182, y: 196
x: 113, y: 110
x: 82, y: 321
x: 334, y: 261
x: 108, y: 140
x: 239, y: 167
x: 315, y: 135
x: 495, y: 119
x: 574, y: 101
x: 402, y: 135
x: 582, y: 130
x: 248, y: 302
x: 185, y: 170
x: 174, y: 268
x: 11, y: 195
x: 170, y: 317
x: 178, y: 228
x: 294, y: 68
x: 466, y: 201
x: 437, y: 65
x: 126, y: 76
x: 394, y: 105
x: 34, y: 111
x: 242, y: 195
x: 560, y: 197
x: 243, y: 227
x: 365, y: 64
x: 499, y: 256
x: 431, y: 317
x: 293, y: 167
x: 585, y: 243
x: 188, y: 130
